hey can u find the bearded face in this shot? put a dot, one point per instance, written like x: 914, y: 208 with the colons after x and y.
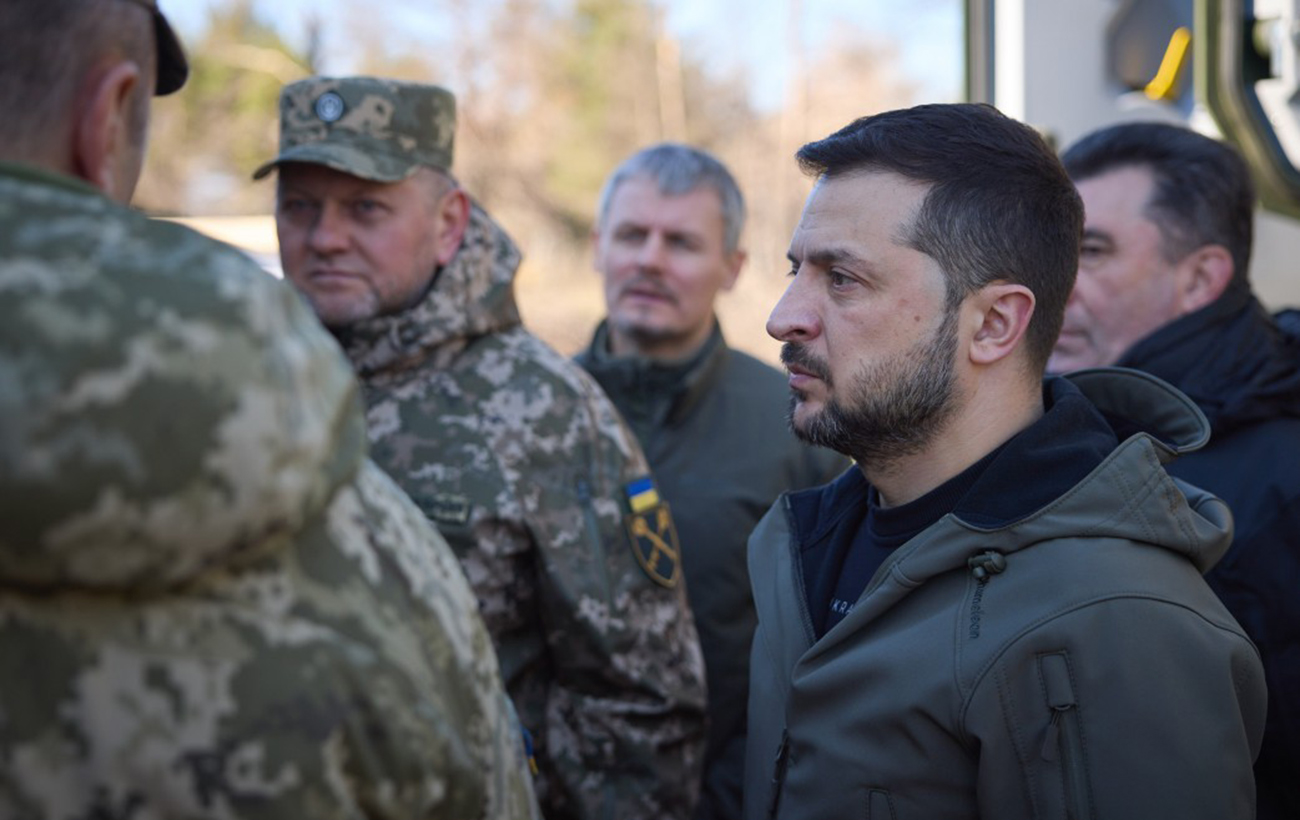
x: 888, y: 408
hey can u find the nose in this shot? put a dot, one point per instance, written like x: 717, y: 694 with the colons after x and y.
x: 794, y: 319
x: 328, y: 235
x: 649, y: 256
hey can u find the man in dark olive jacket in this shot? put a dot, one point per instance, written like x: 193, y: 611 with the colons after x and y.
x: 710, y: 419
x: 1000, y: 613
x: 1162, y: 287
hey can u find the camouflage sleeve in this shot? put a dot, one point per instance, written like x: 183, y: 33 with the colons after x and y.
x: 625, y: 718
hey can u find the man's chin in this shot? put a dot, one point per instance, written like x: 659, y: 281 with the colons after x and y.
x: 338, y: 314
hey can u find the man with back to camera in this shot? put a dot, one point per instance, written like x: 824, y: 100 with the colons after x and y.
x: 710, y: 419
x: 211, y: 603
x: 1163, y: 288
x: 508, y: 447
x: 1001, y: 612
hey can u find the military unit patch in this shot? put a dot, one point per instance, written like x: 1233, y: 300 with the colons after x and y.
x: 654, y: 538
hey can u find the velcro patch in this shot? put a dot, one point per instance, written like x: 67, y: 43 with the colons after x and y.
x: 654, y: 543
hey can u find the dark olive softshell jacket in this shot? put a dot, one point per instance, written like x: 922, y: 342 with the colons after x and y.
x: 1079, y: 667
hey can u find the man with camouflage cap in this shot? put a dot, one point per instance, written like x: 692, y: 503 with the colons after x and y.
x: 211, y: 603
x: 511, y: 449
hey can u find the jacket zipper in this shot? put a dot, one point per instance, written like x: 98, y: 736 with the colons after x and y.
x: 1063, y: 739
x: 778, y: 772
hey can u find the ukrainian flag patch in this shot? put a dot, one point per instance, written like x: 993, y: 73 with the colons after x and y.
x: 652, y: 533
x: 642, y: 495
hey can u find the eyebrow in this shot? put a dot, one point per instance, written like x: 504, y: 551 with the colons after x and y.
x: 1097, y: 233
x: 825, y: 257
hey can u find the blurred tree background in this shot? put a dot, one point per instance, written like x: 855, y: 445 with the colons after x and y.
x: 551, y: 97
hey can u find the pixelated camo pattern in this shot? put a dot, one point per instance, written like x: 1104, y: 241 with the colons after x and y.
x: 522, y: 461
x: 211, y: 604
x: 370, y: 127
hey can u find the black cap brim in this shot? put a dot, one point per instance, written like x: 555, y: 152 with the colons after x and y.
x: 173, y: 68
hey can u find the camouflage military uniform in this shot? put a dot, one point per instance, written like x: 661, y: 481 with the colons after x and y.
x: 527, y: 470
x: 211, y: 604
x: 522, y: 462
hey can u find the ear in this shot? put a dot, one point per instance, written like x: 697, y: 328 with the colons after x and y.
x: 102, y: 130
x: 1001, y: 313
x: 450, y: 222
x: 1203, y: 275
x: 734, y: 262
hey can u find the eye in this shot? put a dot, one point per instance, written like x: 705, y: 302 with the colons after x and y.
x: 296, y: 207
x: 629, y: 235
x: 838, y: 280
x: 367, y: 207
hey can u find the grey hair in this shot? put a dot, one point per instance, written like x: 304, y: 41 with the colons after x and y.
x: 41, y: 69
x: 676, y: 170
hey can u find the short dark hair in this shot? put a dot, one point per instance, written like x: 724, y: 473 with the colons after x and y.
x: 50, y: 47
x: 1203, y: 192
x: 1000, y: 206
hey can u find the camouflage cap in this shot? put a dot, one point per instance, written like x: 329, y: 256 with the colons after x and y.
x: 173, y: 68
x: 373, y: 128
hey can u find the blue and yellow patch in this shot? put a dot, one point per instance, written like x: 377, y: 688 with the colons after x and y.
x: 654, y: 537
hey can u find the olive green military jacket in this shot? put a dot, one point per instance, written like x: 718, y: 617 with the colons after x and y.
x: 527, y: 470
x: 211, y: 604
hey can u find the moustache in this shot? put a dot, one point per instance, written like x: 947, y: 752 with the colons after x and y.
x: 647, y: 284
x: 797, y: 355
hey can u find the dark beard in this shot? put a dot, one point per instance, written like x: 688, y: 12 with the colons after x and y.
x: 890, y: 409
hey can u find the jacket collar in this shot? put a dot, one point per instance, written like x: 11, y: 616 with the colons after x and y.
x: 1141, y: 411
x: 35, y: 173
x: 672, y: 389
x: 1127, y: 496
x: 1229, y: 357
x: 471, y: 296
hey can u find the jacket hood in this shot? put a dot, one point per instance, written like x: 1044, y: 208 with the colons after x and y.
x: 471, y: 296
x: 1231, y: 358
x: 165, y: 406
x: 1126, y: 495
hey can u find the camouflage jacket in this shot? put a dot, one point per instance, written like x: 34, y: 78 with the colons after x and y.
x: 524, y: 465
x: 211, y: 604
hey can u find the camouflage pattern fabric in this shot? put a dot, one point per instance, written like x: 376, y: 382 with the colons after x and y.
x: 211, y: 604
x: 369, y: 127
x: 523, y: 463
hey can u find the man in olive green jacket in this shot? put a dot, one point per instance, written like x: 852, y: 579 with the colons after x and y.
x: 1000, y: 613
x: 711, y: 419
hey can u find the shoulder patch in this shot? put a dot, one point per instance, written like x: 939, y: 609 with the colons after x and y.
x: 654, y: 537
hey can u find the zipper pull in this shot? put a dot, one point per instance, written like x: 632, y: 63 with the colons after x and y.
x: 989, y: 562
x: 1052, y: 743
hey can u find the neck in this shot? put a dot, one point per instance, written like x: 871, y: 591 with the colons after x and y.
x: 658, y: 349
x: 989, y: 416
